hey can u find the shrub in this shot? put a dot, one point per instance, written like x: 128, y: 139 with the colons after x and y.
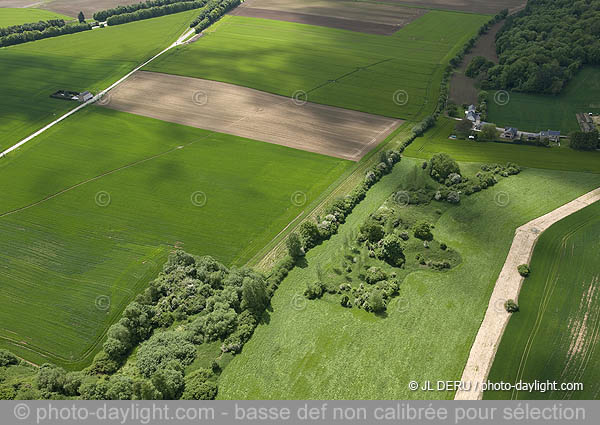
x: 423, y: 231
x: 371, y: 231
x: 441, y: 165
x: 376, y: 302
x: 511, y: 306
x: 392, y: 250
x: 294, y: 246
x: 524, y: 270
x: 374, y: 275
x: 7, y: 358
x: 162, y: 348
x: 199, y: 387
x: 314, y: 290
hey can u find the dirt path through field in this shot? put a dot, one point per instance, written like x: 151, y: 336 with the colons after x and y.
x: 253, y: 114
x: 508, y: 287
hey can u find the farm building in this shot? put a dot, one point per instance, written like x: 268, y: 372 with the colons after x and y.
x: 553, y: 136
x: 510, y: 133
x: 472, y: 115
x: 85, y: 96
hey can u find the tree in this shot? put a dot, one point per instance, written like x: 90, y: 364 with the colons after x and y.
x: 372, y: 231
x: 294, y: 246
x: 423, y: 231
x: 463, y: 127
x: 488, y: 133
x: 392, y: 250
x: 309, y: 234
x: 376, y: 302
x: 120, y: 387
x: 254, y: 296
x: 584, y: 141
x: 169, y: 382
x: 524, y: 270
x: 81, y: 17
x: 511, y: 306
x: 7, y: 358
x: 198, y: 386
x: 51, y: 378
x: 162, y: 348
x: 441, y: 166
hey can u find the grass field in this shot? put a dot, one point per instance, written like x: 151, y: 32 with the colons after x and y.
x: 90, y: 60
x: 396, y: 76
x: 17, y: 16
x: 555, y: 334
x: 129, y: 189
x: 533, y: 112
x: 563, y: 158
x: 320, y: 350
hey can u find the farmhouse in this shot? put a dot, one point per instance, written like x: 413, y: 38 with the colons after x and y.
x: 472, y: 115
x: 553, y: 136
x: 510, y: 133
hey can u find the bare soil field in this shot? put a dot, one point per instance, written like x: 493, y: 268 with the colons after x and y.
x: 372, y: 18
x: 485, y: 7
x: 253, y: 114
x: 69, y: 7
x: 462, y: 88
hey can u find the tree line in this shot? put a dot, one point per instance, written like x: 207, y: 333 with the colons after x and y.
x: 52, y: 31
x: 120, y: 10
x: 155, y: 11
x: 212, y: 12
x: 541, y: 48
x: 32, y: 26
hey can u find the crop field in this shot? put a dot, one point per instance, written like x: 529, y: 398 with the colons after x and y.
x: 321, y: 350
x: 68, y: 7
x: 556, y: 333
x: 472, y: 6
x: 240, y: 111
x: 373, y: 18
x: 396, y: 76
x: 535, y: 112
x: 90, y: 60
x: 91, y: 208
x: 17, y: 16
x: 436, y: 140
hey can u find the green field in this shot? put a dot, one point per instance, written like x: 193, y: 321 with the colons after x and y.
x: 18, y: 16
x: 335, y: 67
x: 563, y: 158
x: 90, y: 60
x: 531, y: 112
x: 556, y: 333
x: 320, y: 350
x: 125, y: 189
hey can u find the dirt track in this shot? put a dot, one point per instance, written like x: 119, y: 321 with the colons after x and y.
x: 476, y: 6
x: 253, y: 114
x: 69, y: 7
x: 383, y: 19
x: 508, y: 287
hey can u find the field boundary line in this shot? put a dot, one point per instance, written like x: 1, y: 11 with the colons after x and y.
x: 508, y: 285
x: 97, y: 97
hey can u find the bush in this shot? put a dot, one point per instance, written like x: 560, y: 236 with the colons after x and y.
x: 199, y: 387
x: 392, y: 250
x: 7, y: 358
x: 441, y: 165
x: 371, y: 231
x: 162, y: 348
x: 314, y: 290
x: 374, y: 275
x: 511, y: 306
x: 423, y: 231
x: 294, y: 246
x: 524, y: 270
x: 376, y: 302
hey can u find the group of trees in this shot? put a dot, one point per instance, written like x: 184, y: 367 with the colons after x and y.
x: 152, y: 12
x: 33, y: 26
x: 120, y: 10
x: 585, y: 141
x: 44, y: 29
x: 213, y: 11
x: 478, y: 65
x: 543, y: 46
